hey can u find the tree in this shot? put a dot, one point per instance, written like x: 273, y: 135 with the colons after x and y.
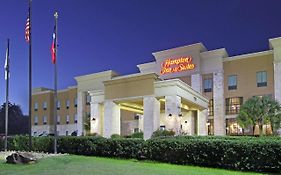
x: 17, y: 122
x: 260, y: 111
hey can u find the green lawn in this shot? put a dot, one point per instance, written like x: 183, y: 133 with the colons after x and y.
x: 73, y: 165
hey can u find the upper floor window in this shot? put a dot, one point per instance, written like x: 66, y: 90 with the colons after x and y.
x: 88, y: 99
x: 75, y: 102
x: 211, y: 108
x: 35, y: 120
x: 58, y: 105
x: 44, y: 105
x: 44, y: 120
x: 67, y: 119
x: 208, y: 84
x: 67, y: 104
x: 137, y: 117
x: 232, y: 82
x: 58, y: 119
x: 261, y: 79
x: 35, y: 106
x: 233, y: 105
x: 75, y: 118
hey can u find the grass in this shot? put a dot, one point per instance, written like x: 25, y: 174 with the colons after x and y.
x: 73, y: 165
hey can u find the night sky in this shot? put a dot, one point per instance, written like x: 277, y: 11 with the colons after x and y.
x: 98, y: 35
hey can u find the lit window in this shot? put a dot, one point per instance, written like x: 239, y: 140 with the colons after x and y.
x: 75, y: 118
x: 58, y: 105
x: 88, y: 99
x: 67, y: 119
x: 44, y: 120
x: 211, y: 108
x: 44, y: 105
x: 208, y: 84
x: 35, y: 106
x: 75, y: 102
x: 58, y: 119
x: 233, y: 105
x: 67, y: 104
x: 35, y: 120
x: 261, y: 79
x: 232, y: 82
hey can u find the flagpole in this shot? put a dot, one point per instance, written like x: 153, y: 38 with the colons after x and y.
x: 30, y: 78
x: 7, y: 73
x: 55, y: 83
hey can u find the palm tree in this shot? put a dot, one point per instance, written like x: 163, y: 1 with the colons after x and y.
x: 260, y: 111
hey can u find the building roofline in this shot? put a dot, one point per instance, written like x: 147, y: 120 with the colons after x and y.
x: 248, y: 55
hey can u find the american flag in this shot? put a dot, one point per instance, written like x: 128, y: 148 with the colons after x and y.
x: 54, y: 47
x: 27, y: 30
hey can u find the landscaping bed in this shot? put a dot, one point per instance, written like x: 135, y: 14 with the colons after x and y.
x: 237, y: 153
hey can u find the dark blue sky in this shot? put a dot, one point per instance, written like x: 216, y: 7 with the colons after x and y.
x: 97, y: 35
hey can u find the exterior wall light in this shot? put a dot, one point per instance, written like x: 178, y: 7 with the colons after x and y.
x: 180, y: 114
x: 94, y: 119
x: 170, y: 115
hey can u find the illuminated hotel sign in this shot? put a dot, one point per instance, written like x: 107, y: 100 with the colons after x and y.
x: 176, y: 65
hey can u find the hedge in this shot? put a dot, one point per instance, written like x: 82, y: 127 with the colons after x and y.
x: 238, y: 153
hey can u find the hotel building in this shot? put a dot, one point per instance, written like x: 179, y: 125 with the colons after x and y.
x: 189, y: 89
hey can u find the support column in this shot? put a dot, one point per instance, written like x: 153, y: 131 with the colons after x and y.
x: 219, y: 103
x: 112, y: 120
x: 202, y: 122
x: 151, y: 116
x: 277, y: 82
x: 172, y: 113
x: 196, y: 82
x: 80, y: 113
x: 96, y: 118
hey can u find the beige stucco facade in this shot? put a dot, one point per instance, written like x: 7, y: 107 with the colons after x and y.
x: 190, y: 90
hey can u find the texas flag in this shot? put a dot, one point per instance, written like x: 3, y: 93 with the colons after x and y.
x: 53, y: 47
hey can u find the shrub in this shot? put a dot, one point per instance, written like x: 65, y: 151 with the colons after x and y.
x: 137, y: 135
x: 162, y: 133
x: 222, y: 152
x: 239, y: 153
x: 115, y: 136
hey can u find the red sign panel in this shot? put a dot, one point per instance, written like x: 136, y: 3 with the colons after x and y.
x: 177, y: 65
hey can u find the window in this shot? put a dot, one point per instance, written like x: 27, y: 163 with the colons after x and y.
x: 232, y: 82
x: 88, y: 99
x: 211, y: 108
x: 66, y: 133
x: 136, y: 130
x: 67, y: 104
x: 44, y: 120
x: 232, y: 127
x: 233, y: 105
x: 67, y: 119
x: 44, y: 105
x: 35, y: 106
x: 58, y: 119
x: 35, y: 120
x: 136, y: 117
x: 75, y: 118
x: 208, y: 84
x: 75, y: 102
x: 58, y: 105
x: 261, y: 79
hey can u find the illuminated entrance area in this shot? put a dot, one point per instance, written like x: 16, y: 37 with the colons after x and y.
x: 160, y: 104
